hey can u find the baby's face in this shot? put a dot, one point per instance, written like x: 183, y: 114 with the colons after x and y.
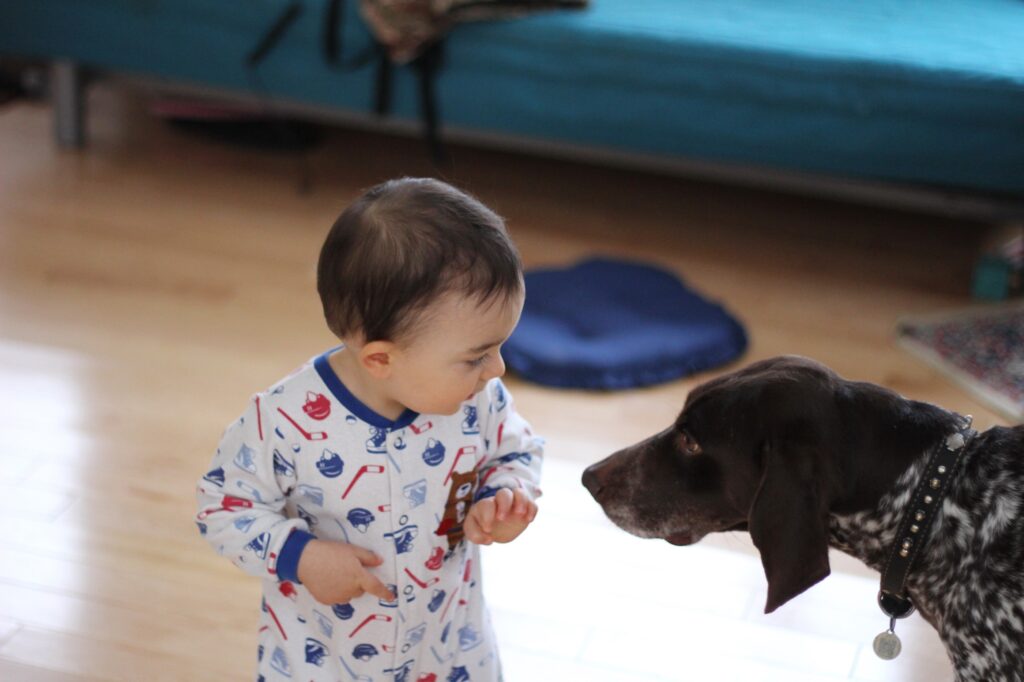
x: 453, y: 353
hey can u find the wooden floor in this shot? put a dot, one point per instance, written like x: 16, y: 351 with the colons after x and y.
x: 150, y: 283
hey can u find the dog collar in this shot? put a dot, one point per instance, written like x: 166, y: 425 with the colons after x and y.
x: 912, y: 534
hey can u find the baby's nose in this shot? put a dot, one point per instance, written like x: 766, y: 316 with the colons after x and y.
x: 499, y: 366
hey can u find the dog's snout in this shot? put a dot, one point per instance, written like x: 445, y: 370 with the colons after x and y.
x: 592, y: 479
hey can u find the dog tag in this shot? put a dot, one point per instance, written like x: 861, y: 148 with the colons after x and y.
x: 887, y: 645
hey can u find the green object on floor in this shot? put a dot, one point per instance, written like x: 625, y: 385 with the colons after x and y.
x: 992, y: 277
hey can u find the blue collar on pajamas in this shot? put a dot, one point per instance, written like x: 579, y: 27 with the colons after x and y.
x: 354, y: 405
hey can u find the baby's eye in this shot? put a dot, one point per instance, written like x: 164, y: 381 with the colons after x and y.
x: 477, y: 362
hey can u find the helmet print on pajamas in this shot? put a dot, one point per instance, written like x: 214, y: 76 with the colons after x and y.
x: 308, y: 456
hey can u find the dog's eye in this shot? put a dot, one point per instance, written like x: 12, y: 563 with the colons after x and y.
x: 687, y: 444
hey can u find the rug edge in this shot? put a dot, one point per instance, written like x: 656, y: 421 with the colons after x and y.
x: 989, y: 398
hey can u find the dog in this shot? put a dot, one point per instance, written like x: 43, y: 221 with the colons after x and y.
x: 805, y: 460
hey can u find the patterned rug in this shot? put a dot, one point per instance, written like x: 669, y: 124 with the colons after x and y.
x: 981, y: 348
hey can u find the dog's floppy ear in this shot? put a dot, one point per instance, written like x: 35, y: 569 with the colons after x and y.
x: 788, y: 521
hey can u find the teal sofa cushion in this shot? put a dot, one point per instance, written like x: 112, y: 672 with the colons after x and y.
x: 903, y: 90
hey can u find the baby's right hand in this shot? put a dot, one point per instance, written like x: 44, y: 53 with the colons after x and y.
x: 335, y: 572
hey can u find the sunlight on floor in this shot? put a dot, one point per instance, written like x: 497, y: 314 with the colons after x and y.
x: 577, y: 599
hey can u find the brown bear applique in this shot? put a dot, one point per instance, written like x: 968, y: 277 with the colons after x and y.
x: 460, y: 497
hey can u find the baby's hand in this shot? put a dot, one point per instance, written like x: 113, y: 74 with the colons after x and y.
x: 500, y: 518
x: 335, y: 572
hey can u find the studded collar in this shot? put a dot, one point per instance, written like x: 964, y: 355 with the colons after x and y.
x: 913, y: 531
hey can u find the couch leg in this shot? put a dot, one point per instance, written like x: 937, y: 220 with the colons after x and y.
x: 68, y: 96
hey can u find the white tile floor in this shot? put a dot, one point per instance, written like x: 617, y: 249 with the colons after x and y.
x: 577, y: 599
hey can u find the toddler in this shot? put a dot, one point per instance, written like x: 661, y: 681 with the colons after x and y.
x: 352, y: 486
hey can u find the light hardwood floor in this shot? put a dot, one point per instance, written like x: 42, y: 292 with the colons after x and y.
x: 151, y: 282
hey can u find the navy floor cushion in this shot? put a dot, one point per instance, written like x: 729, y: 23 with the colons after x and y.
x: 612, y: 324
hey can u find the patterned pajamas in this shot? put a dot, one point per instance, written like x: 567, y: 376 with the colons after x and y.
x: 307, y: 459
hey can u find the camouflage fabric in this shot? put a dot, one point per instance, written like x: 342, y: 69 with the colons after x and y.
x: 406, y: 27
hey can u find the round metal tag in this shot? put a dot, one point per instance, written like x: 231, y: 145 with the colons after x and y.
x: 887, y: 645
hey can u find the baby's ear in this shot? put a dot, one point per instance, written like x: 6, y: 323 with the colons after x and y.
x: 376, y: 358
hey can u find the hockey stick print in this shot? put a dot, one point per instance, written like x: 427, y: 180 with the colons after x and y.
x: 419, y: 582
x: 250, y: 490
x: 315, y: 435
x: 365, y: 469
x: 421, y: 428
x: 463, y: 451
x: 394, y: 463
x: 274, y: 616
x: 259, y: 418
x: 368, y: 619
x: 451, y: 654
x: 227, y: 503
x: 491, y: 472
x: 466, y: 575
x: 455, y: 593
x: 352, y: 673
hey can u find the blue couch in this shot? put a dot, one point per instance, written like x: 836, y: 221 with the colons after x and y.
x: 920, y: 94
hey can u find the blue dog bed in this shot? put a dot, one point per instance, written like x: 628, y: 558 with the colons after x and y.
x: 609, y: 324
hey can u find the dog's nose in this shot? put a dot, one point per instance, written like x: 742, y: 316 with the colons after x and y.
x: 591, y: 481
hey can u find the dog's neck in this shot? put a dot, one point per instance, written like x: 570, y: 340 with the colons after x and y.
x: 869, y: 533
x: 884, y: 455
x: 979, y: 518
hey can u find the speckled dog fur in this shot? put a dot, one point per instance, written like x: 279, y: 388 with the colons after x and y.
x: 804, y: 460
x: 969, y: 584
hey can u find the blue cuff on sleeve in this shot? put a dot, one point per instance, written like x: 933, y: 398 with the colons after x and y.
x: 487, y: 491
x: 288, y: 562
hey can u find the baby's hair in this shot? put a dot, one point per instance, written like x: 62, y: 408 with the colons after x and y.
x: 402, y: 245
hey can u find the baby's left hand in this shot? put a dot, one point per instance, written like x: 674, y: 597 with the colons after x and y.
x: 500, y: 518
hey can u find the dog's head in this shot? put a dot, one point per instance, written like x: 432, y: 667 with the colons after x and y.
x: 769, y: 449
